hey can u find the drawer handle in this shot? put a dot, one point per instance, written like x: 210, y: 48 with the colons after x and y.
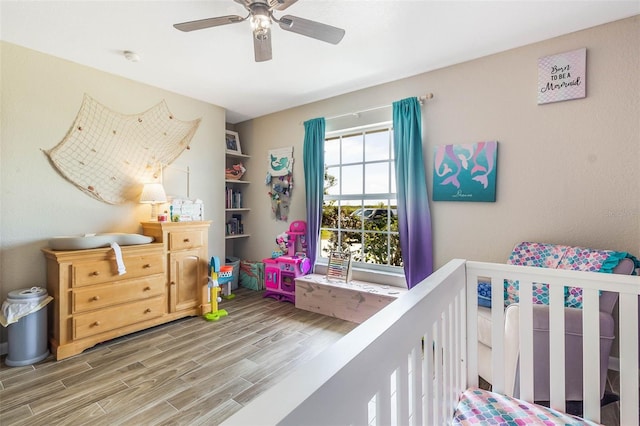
x: 146, y: 266
x: 94, y: 274
x: 186, y: 240
x: 148, y: 310
x: 147, y: 288
x: 95, y: 324
x: 95, y: 298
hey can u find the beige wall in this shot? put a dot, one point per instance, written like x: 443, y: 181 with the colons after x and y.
x: 41, y: 96
x: 568, y: 172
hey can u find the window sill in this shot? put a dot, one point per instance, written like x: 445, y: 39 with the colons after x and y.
x: 370, y: 275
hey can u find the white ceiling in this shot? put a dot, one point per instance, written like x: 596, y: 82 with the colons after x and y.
x: 385, y: 41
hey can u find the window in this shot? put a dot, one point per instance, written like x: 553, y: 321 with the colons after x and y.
x: 359, y: 211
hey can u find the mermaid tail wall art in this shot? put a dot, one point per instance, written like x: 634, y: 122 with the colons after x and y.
x: 465, y: 172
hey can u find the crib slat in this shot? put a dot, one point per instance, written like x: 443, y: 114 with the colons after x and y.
x: 629, y: 363
x: 427, y: 377
x: 591, y: 354
x: 497, y: 334
x: 526, y: 342
x: 402, y: 395
x: 459, y: 324
x: 448, y: 355
x: 437, y: 391
x: 556, y: 347
x: 437, y: 371
x: 415, y: 396
x: 470, y: 339
x: 383, y: 405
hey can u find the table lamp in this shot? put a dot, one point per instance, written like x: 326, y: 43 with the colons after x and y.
x: 153, y: 193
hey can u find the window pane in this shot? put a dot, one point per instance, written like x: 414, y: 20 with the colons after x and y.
x: 376, y: 178
x: 352, y: 218
x: 393, y: 177
x: 332, y: 151
x: 332, y: 181
x: 352, y: 179
x: 395, y: 259
x: 329, y: 215
x: 378, y: 216
x: 352, y: 149
x: 328, y: 242
x: 376, y: 248
x: 376, y: 146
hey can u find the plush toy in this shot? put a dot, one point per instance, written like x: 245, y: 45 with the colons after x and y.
x: 282, y: 241
x: 235, y: 172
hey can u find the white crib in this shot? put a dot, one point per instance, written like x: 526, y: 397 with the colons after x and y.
x: 384, y: 373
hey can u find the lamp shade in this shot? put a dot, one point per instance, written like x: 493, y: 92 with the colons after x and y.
x: 153, y: 193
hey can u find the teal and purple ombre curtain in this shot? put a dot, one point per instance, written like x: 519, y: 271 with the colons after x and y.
x: 414, y: 218
x: 313, y: 157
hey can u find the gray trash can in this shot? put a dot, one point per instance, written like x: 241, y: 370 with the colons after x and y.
x: 27, y: 338
x: 235, y: 262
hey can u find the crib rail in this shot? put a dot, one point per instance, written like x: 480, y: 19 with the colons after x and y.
x: 628, y: 289
x: 408, y: 364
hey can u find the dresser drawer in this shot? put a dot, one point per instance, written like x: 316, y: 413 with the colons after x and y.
x: 99, y: 296
x: 92, y: 323
x: 102, y: 271
x: 186, y: 240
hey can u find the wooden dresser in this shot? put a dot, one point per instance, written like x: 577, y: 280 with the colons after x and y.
x: 165, y: 280
x: 186, y: 254
x: 92, y: 303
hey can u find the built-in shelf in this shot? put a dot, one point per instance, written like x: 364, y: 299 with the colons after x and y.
x: 235, y: 188
x: 235, y: 236
x: 236, y: 155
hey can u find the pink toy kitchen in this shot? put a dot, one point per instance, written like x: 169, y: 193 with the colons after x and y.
x: 280, y: 272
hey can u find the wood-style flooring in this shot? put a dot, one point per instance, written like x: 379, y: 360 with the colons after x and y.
x: 187, y: 372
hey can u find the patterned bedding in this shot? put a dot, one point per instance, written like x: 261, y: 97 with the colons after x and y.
x: 557, y: 256
x: 481, y: 407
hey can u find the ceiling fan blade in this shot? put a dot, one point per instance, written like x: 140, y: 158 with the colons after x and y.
x: 280, y: 4
x: 262, y: 46
x: 208, y: 23
x: 311, y: 29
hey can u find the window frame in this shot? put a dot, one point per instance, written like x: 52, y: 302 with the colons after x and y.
x: 385, y: 126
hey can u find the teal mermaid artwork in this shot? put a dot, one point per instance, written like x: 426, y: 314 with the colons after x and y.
x: 279, y: 163
x: 465, y: 172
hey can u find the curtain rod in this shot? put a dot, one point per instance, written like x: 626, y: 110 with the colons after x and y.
x: 421, y: 99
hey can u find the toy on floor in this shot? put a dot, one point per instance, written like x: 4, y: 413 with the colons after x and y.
x: 218, y: 275
x: 281, y: 271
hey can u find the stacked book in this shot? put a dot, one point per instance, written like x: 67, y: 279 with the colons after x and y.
x: 234, y: 225
x: 233, y: 199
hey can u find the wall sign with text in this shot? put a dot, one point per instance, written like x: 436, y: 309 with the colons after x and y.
x: 562, y: 77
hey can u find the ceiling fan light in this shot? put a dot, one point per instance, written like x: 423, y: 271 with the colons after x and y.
x: 260, y: 19
x: 260, y: 22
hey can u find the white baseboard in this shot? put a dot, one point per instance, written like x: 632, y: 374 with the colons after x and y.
x: 4, y: 348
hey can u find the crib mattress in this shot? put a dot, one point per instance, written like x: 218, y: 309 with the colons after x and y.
x: 481, y: 407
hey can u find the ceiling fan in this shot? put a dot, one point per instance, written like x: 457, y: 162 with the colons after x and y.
x: 261, y: 17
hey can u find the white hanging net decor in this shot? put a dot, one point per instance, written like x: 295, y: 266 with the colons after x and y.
x: 109, y: 155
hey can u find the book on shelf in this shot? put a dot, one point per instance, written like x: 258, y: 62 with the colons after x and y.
x: 234, y: 225
x: 233, y: 199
